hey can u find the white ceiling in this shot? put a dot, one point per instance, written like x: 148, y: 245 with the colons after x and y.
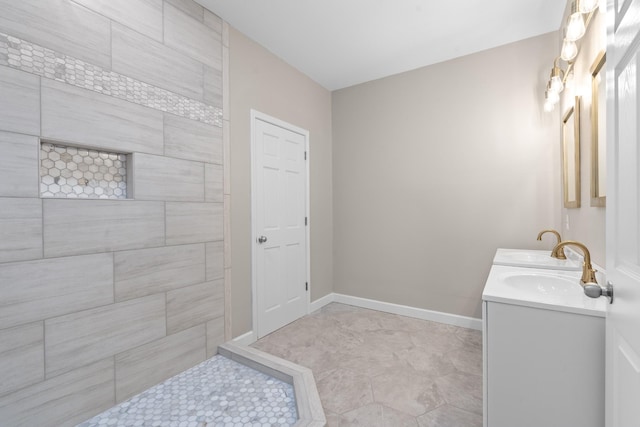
x: 340, y: 43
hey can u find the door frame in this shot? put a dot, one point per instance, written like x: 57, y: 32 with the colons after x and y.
x: 257, y: 115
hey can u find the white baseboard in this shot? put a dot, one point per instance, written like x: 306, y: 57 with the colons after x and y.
x: 321, y: 302
x: 405, y: 310
x: 245, y: 339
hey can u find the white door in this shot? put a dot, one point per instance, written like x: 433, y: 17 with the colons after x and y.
x: 623, y: 214
x: 279, y: 197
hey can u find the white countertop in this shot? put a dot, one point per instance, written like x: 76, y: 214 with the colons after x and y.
x: 537, y: 259
x: 499, y: 288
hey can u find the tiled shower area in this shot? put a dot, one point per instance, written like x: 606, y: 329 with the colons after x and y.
x: 112, y: 201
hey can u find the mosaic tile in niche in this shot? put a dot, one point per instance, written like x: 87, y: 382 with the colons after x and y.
x: 74, y: 172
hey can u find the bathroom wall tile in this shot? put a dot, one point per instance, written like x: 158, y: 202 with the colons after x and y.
x: 20, y: 95
x: 65, y: 400
x: 164, y: 178
x: 213, y: 86
x: 85, y: 226
x: 228, y: 334
x: 20, y: 229
x: 85, y: 117
x: 150, y: 61
x: 227, y: 231
x: 193, y: 305
x: 144, y: 16
x: 80, y: 338
x: 225, y: 84
x: 191, y: 140
x: 59, y: 25
x: 37, y: 290
x: 18, y: 165
x: 150, y: 364
x: 189, y: 7
x: 226, y: 147
x: 215, y: 260
x: 148, y: 271
x: 213, y: 182
x: 193, y: 222
x: 21, y: 356
x: 213, y: 21
x: 192, y: 37
x: 225, y: 34
x: 215, y: 335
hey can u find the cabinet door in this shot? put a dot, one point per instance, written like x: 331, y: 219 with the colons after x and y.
x: 537, y: 365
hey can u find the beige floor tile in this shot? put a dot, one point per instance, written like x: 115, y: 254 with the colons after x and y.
x: 376, y: 415
x: 342, y: 390
x: 450, y: 416
x: 380, y: 369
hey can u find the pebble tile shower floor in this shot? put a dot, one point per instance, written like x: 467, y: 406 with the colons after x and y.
x: 218, y: 392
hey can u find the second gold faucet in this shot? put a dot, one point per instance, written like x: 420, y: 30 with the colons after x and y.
x: 560, y: 254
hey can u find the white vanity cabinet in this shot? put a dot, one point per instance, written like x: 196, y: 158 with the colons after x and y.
x: 543, y: 353
x: 543, y: 367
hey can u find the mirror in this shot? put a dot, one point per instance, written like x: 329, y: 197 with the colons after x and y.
x: 598, y: 132
x: 571, y: 155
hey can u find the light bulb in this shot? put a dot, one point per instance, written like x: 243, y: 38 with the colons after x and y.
x: 548, y: 106
x: 569, y: 50
x: 575, y: 27
x: 587, y: 6
x: 552, y: 96
x: 556, y: 84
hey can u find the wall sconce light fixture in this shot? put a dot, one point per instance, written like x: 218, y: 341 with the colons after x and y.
x: 575, y: 29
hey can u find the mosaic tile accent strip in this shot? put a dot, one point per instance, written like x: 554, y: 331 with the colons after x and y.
x: 32, y: 58
x: 82, y: 173
x: 217, y: 392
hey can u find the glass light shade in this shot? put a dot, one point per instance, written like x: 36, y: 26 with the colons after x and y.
x: 575, y: 27
x: 556, y: 84
x: 552, y: 96
x: 587, y: 6
x: 569, y: 50
x: 548, y: 106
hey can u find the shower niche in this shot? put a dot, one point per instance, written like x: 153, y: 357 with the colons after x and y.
x: 83, y: 173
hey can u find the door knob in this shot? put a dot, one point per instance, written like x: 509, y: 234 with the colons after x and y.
x: 593, y: 290
x: 262, y: 239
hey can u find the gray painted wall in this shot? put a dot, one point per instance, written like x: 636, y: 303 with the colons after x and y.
x: 435, y: 168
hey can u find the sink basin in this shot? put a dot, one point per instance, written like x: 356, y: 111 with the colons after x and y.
x: 541, y: 288
x: 535, y: 259
x: 540, y: 283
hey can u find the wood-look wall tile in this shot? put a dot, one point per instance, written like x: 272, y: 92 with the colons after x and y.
x: 227, y: 230
x: 148, y: 271
x: 137, y: 56
x: 80, y: 338
x: 150, y: 364
x: 213, y: 21
x: 60, y: 25
x: 20, y: 95
x: 164, y: 178
x: 215, y: 335
x: 193, y: 222
x: 189, y: 7
x: 191, y: 140
x: 87, y: 226
x: 192, y: 37
x: 215, y: 260
x: 226, y: 147
x: 18, y: 165
x: 226, y: 100
x: 228, y: 327
x: 21, y: 356
x: 89, y: 118
x: 213, y: 86
x: 213, y: 182
x: 38, y: 290
x: 20, y: 229
x: 62, y: 401
x: 143, y: 16
x: 193, y: 305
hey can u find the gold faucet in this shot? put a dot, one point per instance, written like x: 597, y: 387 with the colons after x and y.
x: 588, y: 273
x: 560, y: 254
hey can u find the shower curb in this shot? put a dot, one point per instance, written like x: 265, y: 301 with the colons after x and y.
x: 310, y: 412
